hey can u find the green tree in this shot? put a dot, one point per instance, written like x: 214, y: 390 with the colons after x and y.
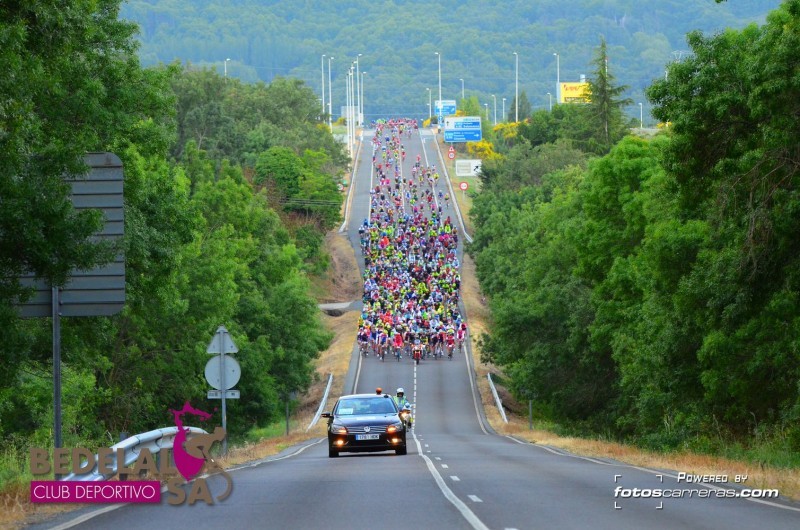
x: 525, y: 108
x: 605, y: 104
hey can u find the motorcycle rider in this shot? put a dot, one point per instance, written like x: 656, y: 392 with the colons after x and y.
x: 402, y: 403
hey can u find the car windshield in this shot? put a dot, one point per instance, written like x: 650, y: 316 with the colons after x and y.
x: 358, y: 406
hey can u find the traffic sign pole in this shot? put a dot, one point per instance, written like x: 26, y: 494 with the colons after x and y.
x: 220, y: 345
x: 220, y: 332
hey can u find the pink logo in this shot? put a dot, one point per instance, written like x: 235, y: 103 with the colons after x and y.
x: 190, y: 459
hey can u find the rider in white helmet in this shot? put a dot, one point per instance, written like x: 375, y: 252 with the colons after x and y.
x: 402, y: 402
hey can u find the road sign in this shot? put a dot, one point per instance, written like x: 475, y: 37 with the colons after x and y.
x: 463, y: 186
x: 462, y: 129
x: 451, y: 153
x: 219, y: 364
x: 444, y: 107
x: 99, y: 291
x: 229, y: 394
x: 468, y: 168
x: 221, y: 343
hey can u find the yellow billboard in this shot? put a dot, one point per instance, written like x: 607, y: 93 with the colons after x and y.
x: 574, y: 93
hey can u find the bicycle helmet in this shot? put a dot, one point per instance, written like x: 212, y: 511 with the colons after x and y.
x: 400, y: 391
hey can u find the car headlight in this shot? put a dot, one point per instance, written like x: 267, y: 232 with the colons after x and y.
x: 338, y: 429
x: 395, y: 427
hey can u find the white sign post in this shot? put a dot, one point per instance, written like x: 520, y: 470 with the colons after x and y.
x: 222, y: 372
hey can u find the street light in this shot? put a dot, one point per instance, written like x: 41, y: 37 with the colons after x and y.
x: 495, y: 108
x: 641, y: 117
x: 330, y: 110
x: 226, y: 67
x: 462, y: 88
x: 504, y: 110
x: 358, y: 90
x: 430, y: 111
x: 516, y: 87
x: 439, y: 56
x: 322, y: 66
x: 550, y: 98
x: 486, y: 106
x: 362, y: 96
x: 347, y: 109
x: 558, y: 78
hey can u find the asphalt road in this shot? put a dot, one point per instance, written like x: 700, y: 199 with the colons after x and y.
x: 457, y: 473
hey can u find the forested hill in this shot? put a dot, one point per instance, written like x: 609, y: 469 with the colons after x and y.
x: 268, y: 38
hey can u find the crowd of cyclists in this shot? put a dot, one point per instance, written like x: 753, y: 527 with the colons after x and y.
x: 409, y: 244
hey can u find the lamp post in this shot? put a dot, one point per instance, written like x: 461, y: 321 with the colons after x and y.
x: 486, y: 106
x: 516, y: 87
x: 350, y: 111
x: 430, y: 110
x: 226, y: 68
x: 462, y: 88
x: 347, y: 110
x: 641, y: 117
x: 362, y: 97
x: 504, y: 109
x: 322, y: 67
x: 558, y: 78
x: 495, y: 108
x: 550, y: 98
x: 358, y: 91
x: 439, y: 57
x: 330, y: 110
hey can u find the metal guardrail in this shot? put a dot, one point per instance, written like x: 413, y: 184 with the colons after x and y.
x: 155, y: 441
x: 497, y: 398
x: 322, y: 403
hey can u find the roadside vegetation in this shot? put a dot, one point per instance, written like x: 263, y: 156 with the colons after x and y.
x: 645, y: 291
x: 230, y: 189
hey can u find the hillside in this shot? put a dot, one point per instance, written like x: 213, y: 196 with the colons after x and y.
x: 268, y: 38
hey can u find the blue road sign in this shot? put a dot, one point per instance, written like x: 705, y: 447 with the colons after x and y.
x: 463, y: 129
x: 445, y: 107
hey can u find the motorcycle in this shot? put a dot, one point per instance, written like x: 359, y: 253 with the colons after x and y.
x: 406, y: 416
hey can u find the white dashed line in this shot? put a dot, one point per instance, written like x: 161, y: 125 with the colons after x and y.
x: 455, y: 478
x: 474, y: 498
x: 437, y: 457
x: 445, y: 466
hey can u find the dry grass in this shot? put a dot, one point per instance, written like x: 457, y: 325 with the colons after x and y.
x: 786, y: 481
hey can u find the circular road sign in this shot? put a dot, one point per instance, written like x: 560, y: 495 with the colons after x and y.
x: 232, y: 371
x: 463, y: 186
x: 451, y: 155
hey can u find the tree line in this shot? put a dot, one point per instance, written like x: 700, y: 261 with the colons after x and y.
x: 647, y: 289
x: 228, y: 190
x: 476, y: 39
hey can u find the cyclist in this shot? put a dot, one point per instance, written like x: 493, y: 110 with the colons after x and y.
x: 461, y: 334
x: 397, y: 342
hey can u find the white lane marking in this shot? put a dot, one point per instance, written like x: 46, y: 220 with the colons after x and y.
x: 426, y: 445
x: 468, y: 514
x: 455, y: 478
x: 650, y: 471
x: 445, y: 466
x: 474, y: 498
x: 437, y: 457
x: 87, y: 516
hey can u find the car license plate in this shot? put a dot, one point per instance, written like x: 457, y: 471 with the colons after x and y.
x: 367, y: 436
